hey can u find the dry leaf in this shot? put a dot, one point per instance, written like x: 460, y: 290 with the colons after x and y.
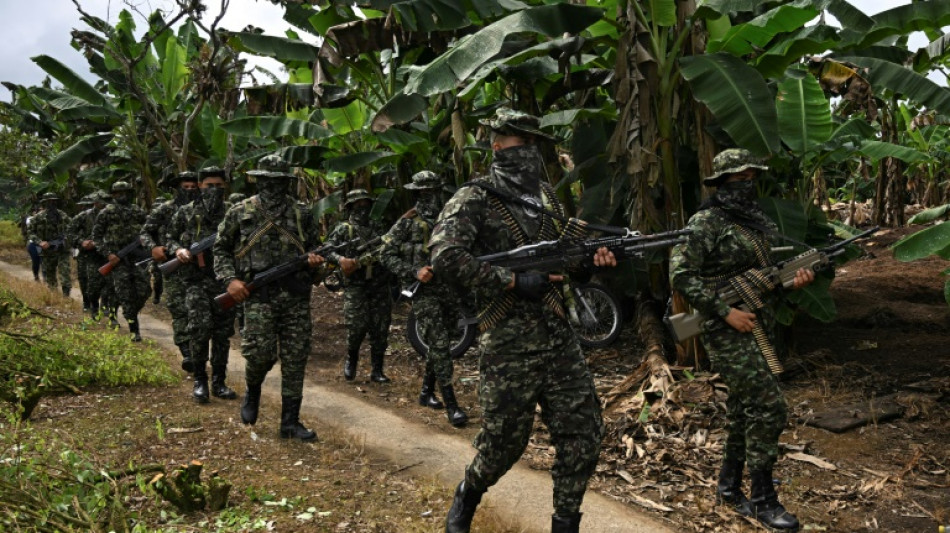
x: 811, y: 459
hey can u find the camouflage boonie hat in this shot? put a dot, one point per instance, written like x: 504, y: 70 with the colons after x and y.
x: 271, y: 166
x: 100, y: 196
x: 236, y: 197
x: 424, y: 181
x: 731, y: 161
x: 121, y: 186
x: 516, y: 123
x: 187, y: 175
x: 212, y: 172
x: 356, y: 195
x: 85, y: 200
x: 49, y: 197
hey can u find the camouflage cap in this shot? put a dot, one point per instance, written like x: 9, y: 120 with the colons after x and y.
x: 49, y: 197
x: 121, y: 186
x: 730, y: 161
x: 85, y: 200
x: 271, y: 166
x: 187, y: 175
x: 236, y: 197
x: 100, y: 196
x: 212, y: 172
x: 515, y: 123
x: 423, y: 181
x: 356, y: 195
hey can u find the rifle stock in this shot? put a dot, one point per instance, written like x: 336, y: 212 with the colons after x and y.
x: 196, y: 248
x: 685, y: 326
x: 225, y: 301
x: 107, y: 268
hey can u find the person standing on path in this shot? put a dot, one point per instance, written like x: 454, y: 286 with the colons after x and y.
x: 32, y: 248
x: 118, y: 225
x: 730, y: 236
x: 48, y: 230
x: 75, y: 234
x: 405, y: 253
x: 261, y: 232
x: 367, y: 300
x: 207, y: 322
x: 88, y: 260
x: 529, y: 353
x: 185, y: 186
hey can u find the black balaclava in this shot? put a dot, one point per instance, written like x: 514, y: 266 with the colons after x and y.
x: 123, y: 198
x: 212, y: 198
x: 273, y: 192
x: 186, y: 196
x: 429, y: 204
x: 359, y: 212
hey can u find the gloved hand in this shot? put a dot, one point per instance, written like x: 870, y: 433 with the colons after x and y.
x: 531, y: 285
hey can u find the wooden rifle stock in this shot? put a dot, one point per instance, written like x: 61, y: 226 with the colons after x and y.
x: 107, y: 268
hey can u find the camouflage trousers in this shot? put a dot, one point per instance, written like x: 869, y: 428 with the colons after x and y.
x: 756, y: 407
x: 277, y: 329
x: 54, y: 263
x: 132, y: 288
x: 175, y: 300
x: 511, y: 386
x: 437, y: 311
x: 367, y: 310
x: 87, y: 274
x: 207, y: 322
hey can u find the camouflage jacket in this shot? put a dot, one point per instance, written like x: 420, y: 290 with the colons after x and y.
x: 116, y: 226
x: 716, y: 250
x: 370, y: 271
x: 405, y: 247
x: 80, y: 229
x: 156, y: 224
x: 469, y: 226
x: 251, y: 241
x: 191, y: 223
x: 47, y: 226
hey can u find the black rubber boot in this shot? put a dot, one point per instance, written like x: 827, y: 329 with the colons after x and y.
x: 566, y: 523
x: 459, y: 518
x: 134, y: 329
x: 729, y: 489
x: 187, y: 363
x: 94, y: 310
x: 251, y: 403
x: 455, y: 414
x: 218, y: 388
x: 290, y: 426
x: 113, y: 318
x: 765, y: 505
x: 377, y: 375
x: 66, y: 292
x: 200, y: 391
x: 349, y: 365
x: 427, y: 396
x: 85, y: 303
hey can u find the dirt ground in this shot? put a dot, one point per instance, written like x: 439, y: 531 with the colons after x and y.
x: 891, y: 332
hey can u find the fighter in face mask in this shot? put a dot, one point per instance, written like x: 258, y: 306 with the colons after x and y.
x: 187, y: 190
x: 274, y: 184
x: 212, y: 189
x: 429, y: 201
x: 122, y: 192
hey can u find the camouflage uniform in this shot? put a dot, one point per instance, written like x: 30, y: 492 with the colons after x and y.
x: 530, y: 355
x: 405, y: 251
x: 78, y: 230
x: 49, y: 225
x: 367, y: 300
x: 205, y: 319
x: 261, y: 232
x: 154, y: 234
x: 117, y: 225
x: 730, y: 235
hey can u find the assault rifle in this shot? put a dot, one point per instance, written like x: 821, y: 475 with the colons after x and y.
x: 782, y: 274
x: 56, y: 243
x: 196, y: 249
x: 262, y: 279
x: 133, y: 246
x: 551, y: 256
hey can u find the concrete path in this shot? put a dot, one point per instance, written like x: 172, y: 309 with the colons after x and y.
x: 523, y: 496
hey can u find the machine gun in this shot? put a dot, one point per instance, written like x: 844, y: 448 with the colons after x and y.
x: 262, y: 279
x: 133, y: 246
x: 550, y: 256
x: 782, y: 274
x: 196, y: 249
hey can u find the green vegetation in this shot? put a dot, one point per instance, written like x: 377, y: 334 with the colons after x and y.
x: 10, y: 234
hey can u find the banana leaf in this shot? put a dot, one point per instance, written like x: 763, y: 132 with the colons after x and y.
x: 738, y: 97
x: 275, y: 127
x: 804, y: 114
x: 745, y: 38
x: 349, y: 163
x: 76, y: 154
x: 934, y: 240
x: 462, y: 60
x: 73, y: 83
x: 904, y: 82
x: 877, y: 150
x: 280, y: 48
x: 929, y: 215
x: 902, y: 20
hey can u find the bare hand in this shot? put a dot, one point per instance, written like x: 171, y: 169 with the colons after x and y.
x: 44, y: 245
x: 604, y: 258
x: 238, y: 290
x: 88, y: 244
x: 158, y: 254
x: 348, y: 265
x: 182, y: 254
x: 424, y: 274
x: 314, y: 260
x: 803, y: 277
x: 741, y: 320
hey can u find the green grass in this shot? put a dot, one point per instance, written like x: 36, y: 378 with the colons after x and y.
x: 10, y: 234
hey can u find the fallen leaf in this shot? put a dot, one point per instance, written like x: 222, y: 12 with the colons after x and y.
x: 811, y: 459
